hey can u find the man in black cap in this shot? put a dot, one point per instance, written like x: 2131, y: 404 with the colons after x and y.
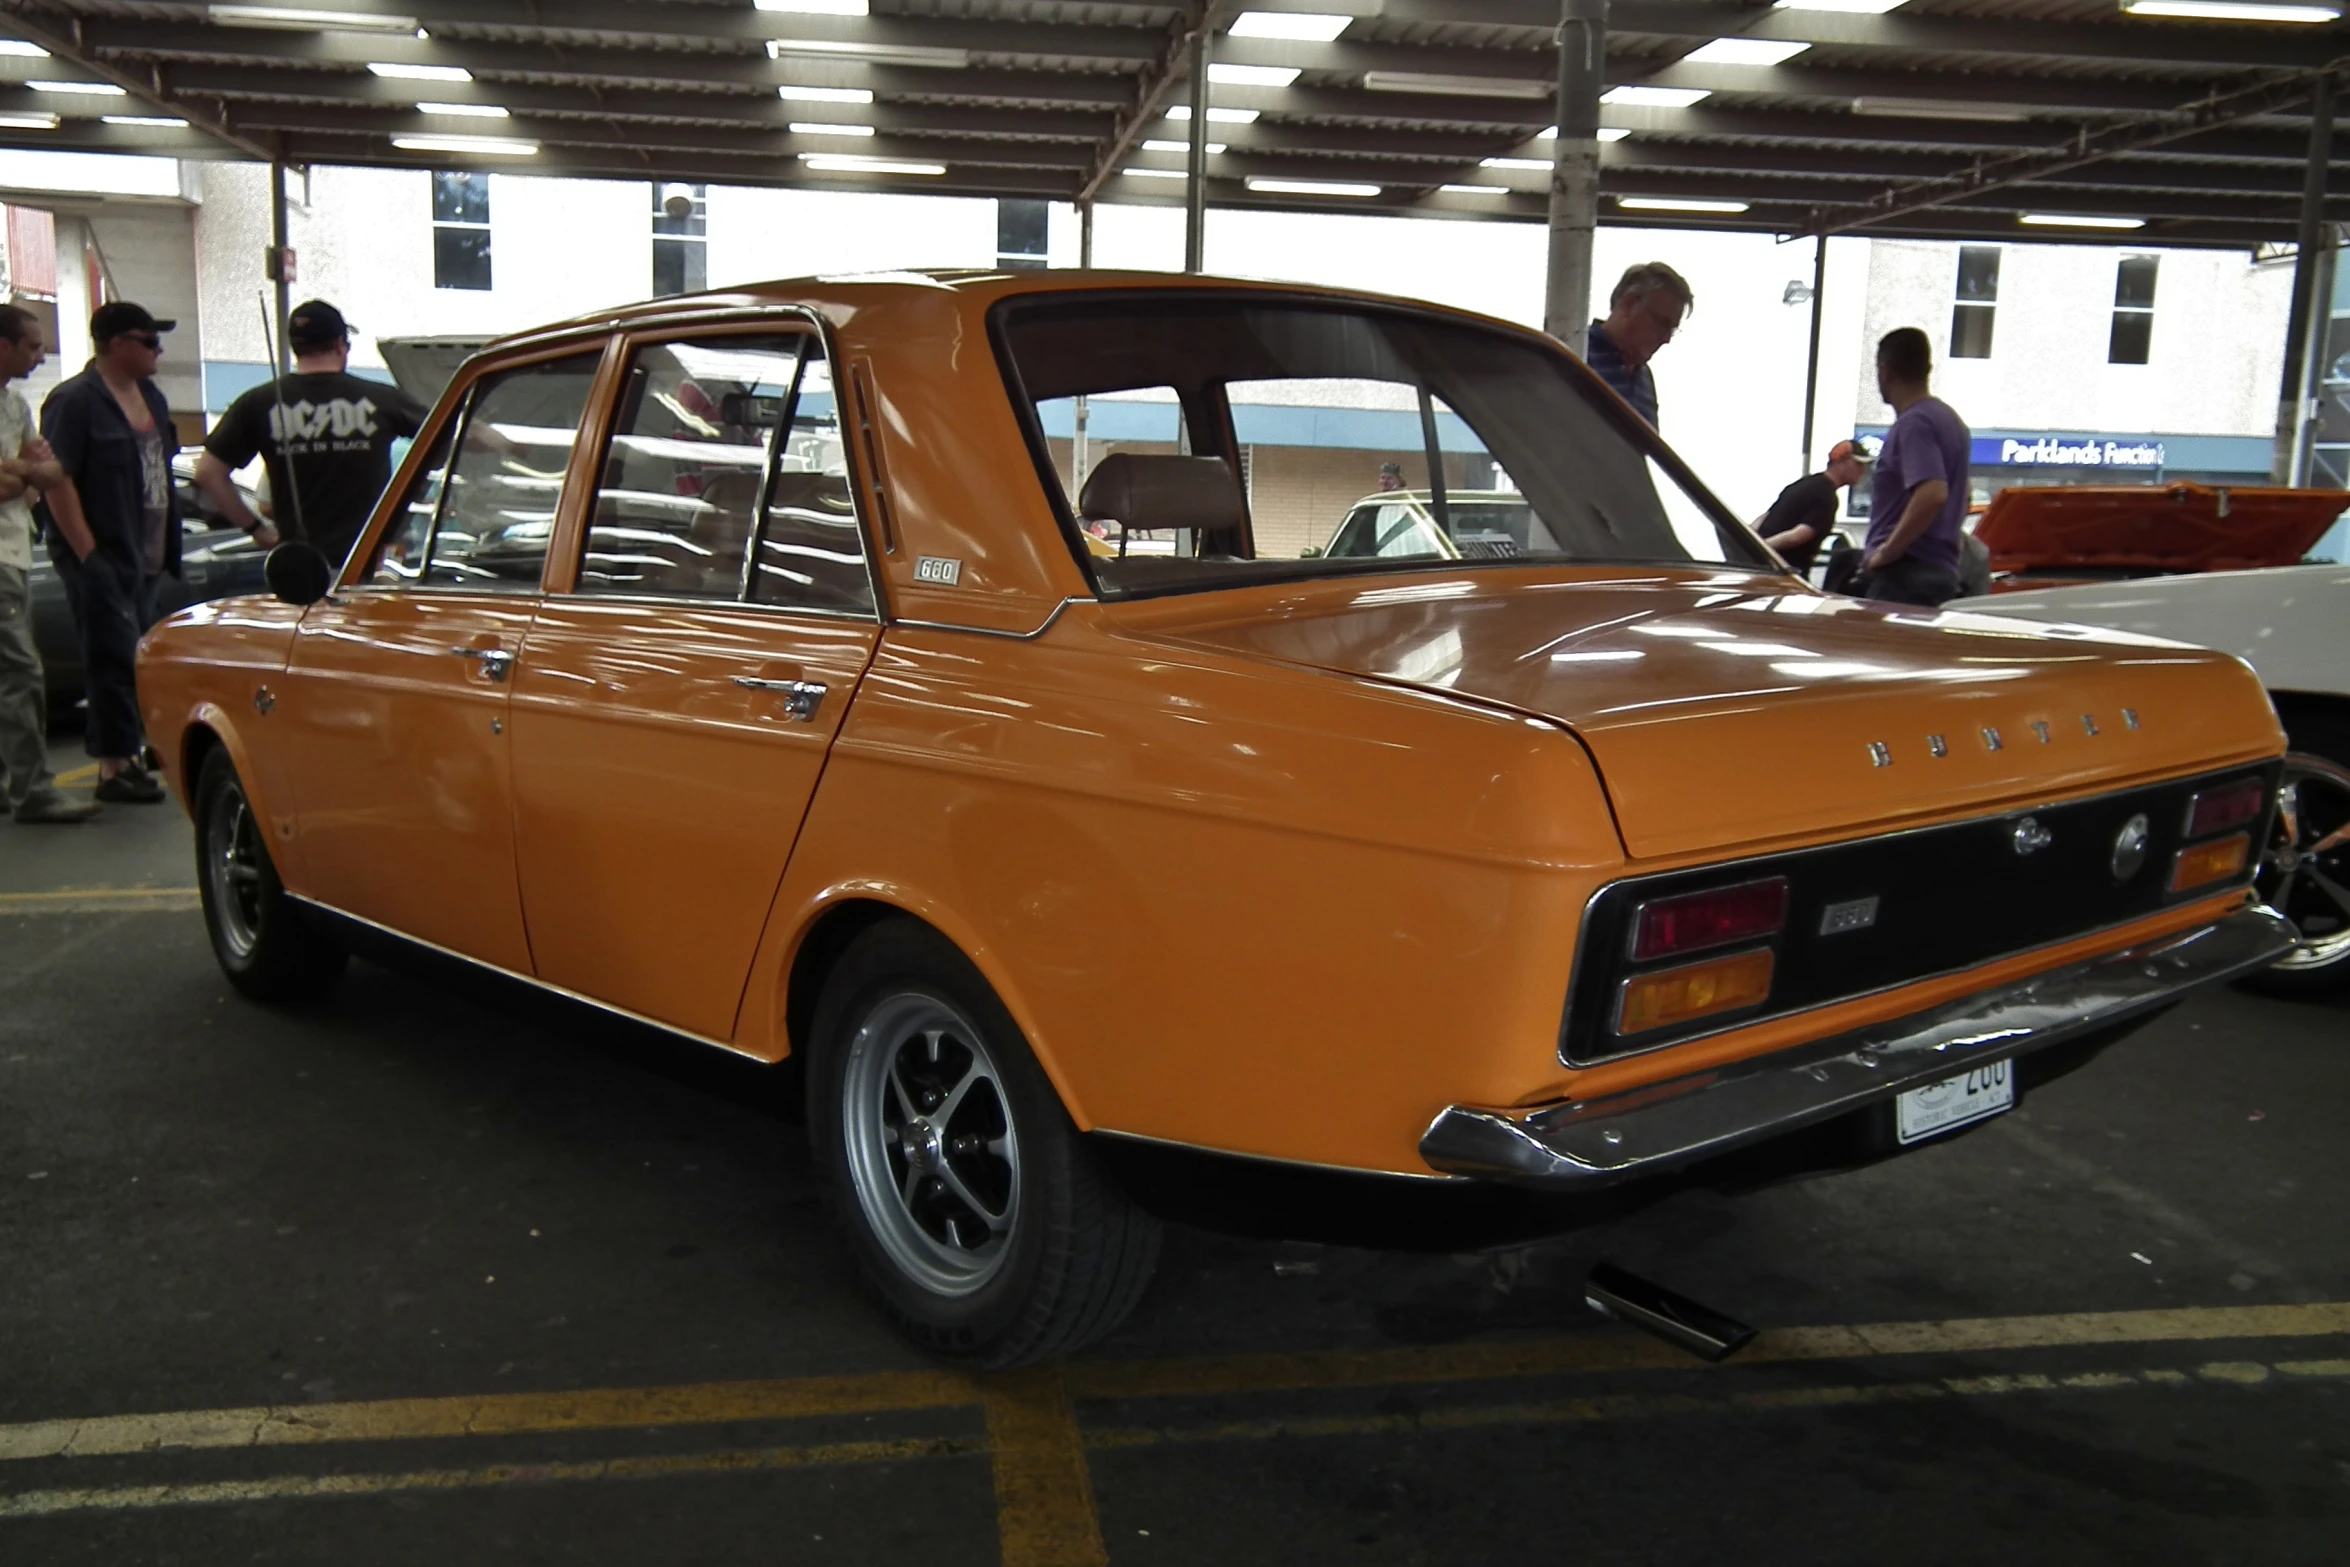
x: 115, y: 527
x: 325, y: 434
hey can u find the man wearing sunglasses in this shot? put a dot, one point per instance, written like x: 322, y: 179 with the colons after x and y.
x: 115, y: 527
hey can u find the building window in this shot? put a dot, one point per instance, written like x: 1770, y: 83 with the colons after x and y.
x: 2133, y: 311
x: 681, y: 248
x: 1021, y: 230
x: 1978, y: 294
x: 460, y: 230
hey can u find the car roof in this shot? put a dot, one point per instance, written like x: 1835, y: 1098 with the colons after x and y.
x: 879, y: 299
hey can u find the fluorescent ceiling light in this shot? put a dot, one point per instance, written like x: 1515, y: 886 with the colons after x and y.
x: 1941, y: 109
x: 879, y: 54
x: 1253, y: 75
x: 851, y: 163
x: 420, y: 73
x: 1606, y: 133
x: 826, y: 94
x: 470, y: 111
x: 86, y: 89
x: 152, y: 122
x: 487, y: 146
x: 1312, y: 188
x: 26, y: 120
x: 1744, y: 51
x: 1456, y: 86
x: 1475, y: 190
x: 1306, y: 26
x: 1157, y: 174
x: 300, y: 20
x: 814, y: 7
x: 1179, y: 146
x: 2062, y: 220
x: 1678, y: 204
x: 2225, y: 11
x: 1515, y: 163
x: 1854, y: 7
x: 820, y: 128
x: 1182, y: 111
x: 1657, y: 97
x: 19, y: 49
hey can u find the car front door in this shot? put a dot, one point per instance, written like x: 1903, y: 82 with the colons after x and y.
x: 399, y: 683
x: 680, y: 688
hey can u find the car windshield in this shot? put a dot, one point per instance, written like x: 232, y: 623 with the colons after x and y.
x: 1199, y: 440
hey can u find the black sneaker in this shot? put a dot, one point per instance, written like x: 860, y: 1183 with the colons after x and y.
x: 49, y: 808
x: 132, y: 786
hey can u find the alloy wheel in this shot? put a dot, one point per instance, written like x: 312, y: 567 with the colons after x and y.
x: 232, y: 863
x: 2305, y: 870
x: 931, y: 1148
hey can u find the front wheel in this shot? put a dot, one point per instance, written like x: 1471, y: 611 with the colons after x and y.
x: 269, y: 946
x: 976, y: 1214
x: 2305, y: 870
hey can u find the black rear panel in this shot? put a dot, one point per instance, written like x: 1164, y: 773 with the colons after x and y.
x: 1947, y: 898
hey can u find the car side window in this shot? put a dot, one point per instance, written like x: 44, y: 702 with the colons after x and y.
x: 399, y: 554
x: 507, y: 478
x: 675, y: 504
x: 810, y: 552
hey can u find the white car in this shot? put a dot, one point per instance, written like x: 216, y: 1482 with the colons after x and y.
x: 2292, y: 625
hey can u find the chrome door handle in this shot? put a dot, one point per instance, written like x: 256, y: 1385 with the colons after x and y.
x: 800, y: 697
x: 494, y: 661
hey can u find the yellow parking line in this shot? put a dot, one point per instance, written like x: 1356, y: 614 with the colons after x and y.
x: 1043, y: 1494
x: 39, y: 1504
x: 102, y: 900
x: 81, y: 774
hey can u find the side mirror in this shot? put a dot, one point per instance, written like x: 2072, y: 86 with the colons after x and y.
x: 297, y: 573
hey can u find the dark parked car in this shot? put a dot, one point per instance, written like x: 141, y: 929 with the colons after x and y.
x: 216, y: 561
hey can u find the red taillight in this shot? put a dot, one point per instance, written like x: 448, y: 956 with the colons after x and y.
x: 1695, y: 921
x: 2217, y: 810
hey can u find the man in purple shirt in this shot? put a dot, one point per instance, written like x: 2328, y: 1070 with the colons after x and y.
x: 1919, y: 497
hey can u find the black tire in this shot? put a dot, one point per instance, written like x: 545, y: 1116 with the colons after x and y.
x: 2311, y: 889
x: 987, y: 1234
x: 267, y: 944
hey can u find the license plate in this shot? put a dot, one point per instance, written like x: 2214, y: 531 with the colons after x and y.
x: 1955, y: 1101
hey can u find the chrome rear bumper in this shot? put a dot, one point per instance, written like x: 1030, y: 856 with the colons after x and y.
x: 1666, y: 1125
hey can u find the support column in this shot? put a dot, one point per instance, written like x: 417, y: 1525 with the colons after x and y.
x: 1080, y: 459
x: 1811, y: 365
x: 2293, y: 395
x: 1195, y: 188
x: 2313, y: 357
x: 1574, y: 170
x: 281, y: 352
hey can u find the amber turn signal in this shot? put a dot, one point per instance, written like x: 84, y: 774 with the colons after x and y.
x: 1694, y: 990
x: 2210, y: 862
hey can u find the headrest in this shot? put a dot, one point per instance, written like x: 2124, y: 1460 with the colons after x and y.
x: 1148, y: 494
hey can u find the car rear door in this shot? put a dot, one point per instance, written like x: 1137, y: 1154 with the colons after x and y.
x: 682, y: 684
x: 399, y: 683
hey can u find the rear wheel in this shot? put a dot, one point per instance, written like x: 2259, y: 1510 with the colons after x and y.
x: 269, y: 946
x: 976, y: 1213
x: 2305, y: 870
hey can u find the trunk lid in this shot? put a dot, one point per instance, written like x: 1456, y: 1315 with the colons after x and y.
x: 1726, y: 712
x: 2135, y: 529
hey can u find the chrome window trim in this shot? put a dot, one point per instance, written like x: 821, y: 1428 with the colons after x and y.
x: 688, y: 601
x: 2173, y: 901
x: 990, y: 631
x: 531, y: 980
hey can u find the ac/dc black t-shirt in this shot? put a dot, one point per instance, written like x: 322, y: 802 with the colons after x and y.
x: 337, y: 431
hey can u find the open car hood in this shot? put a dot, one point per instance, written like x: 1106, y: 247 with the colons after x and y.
x: 2150, y: 528
x: 1725, y: 711
x: 423, y: 366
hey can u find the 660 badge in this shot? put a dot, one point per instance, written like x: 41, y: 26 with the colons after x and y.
x: 1955, y: 1101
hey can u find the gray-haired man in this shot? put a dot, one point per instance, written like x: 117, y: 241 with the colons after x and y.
x: 27, y: 791
x: 1643, y: 314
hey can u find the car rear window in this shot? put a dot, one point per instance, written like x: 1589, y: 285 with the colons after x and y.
x: 1197, y: 440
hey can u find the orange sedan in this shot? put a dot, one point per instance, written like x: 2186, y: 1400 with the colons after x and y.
x: 741, y: 664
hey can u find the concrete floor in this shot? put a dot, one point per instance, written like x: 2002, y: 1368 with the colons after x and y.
x: 421, y: 1192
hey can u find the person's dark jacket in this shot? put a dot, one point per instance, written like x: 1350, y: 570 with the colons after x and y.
x: 99, y: 452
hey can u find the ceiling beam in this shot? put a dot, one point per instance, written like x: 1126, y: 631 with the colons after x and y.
x: 64, y: 39
x: 1148, y: 98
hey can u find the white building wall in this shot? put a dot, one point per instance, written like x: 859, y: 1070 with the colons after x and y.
x: 2217, y: 354
x: 757, y: 235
